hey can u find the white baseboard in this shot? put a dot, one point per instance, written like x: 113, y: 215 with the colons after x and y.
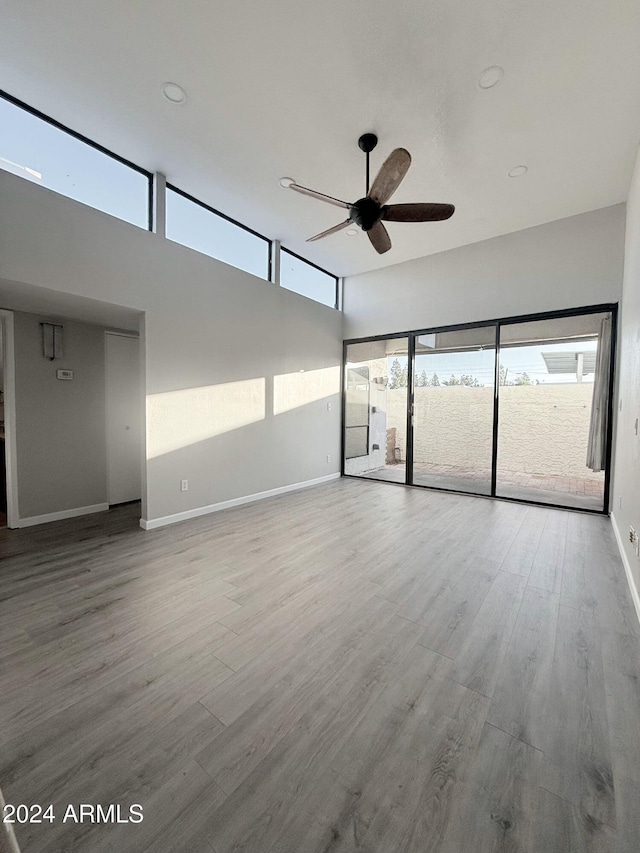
x: 152, y: 523
x: 59, y: 516
x: 627, y: 566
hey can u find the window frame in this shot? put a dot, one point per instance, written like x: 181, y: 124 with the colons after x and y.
x: 96, y: 145
x: 230, y: 219
x: 320, y: 269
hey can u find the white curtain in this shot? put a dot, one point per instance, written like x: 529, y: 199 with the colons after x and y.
x: 597, y: 448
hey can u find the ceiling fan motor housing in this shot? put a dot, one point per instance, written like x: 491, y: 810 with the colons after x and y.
x: 365, y: 213
x: 367, y: 142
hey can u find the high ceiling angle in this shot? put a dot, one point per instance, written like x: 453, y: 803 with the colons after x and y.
x: 518, y: 113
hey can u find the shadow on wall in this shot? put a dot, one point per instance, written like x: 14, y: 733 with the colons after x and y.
x: 241, y: 438
x: 177, y: 419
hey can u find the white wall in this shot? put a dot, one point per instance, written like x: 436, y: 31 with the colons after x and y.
x: 238, y: 370
x: 563, y: 264
x: 626, y: 482
x: 60, y: 425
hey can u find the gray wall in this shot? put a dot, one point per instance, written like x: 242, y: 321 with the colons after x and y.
x: 563, y: 264
x: 626, y: 484
x: 211, y: 332
x: 60, y: 425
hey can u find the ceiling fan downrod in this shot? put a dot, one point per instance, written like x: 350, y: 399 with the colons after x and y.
x: 367, y: 143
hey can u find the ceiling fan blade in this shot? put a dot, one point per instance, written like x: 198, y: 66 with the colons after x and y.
x: 390, y: 176
x: 380, y: 239
x: 418, y: 212
x: 333, y: 230
x: 320, y: 196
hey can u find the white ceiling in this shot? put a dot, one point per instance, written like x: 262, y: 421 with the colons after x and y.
x: 284, y: 88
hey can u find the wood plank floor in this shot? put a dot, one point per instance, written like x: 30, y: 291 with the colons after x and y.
x: 356, y: 667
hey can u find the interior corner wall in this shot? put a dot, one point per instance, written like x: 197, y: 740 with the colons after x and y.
x: 568, y: 263
x: 60, y: 425
x: 238, y: 371
x: 626, y: 480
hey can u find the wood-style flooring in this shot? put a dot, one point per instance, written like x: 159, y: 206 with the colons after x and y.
x: 355, y: 667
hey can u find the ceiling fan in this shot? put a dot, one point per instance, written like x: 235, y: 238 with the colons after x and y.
x: 370, y: 211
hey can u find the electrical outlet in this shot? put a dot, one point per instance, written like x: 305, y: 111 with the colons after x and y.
x: 184, y: 485
x: 328, y: 407
x: 328, y: 457
x: 632, y: 534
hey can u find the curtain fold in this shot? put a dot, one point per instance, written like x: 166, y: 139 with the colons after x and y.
x: 597, y: 447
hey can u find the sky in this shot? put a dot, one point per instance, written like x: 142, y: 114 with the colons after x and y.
x: 517, y: 360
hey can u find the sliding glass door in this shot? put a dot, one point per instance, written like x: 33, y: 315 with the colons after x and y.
x: 376, y: 383
x: 549, y: 405
x: 453, y: 403
x: 518, y: 408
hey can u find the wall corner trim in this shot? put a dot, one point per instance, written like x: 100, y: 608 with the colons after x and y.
x: 153, y: 523
x: 60, y: 516
x: 627, y: 567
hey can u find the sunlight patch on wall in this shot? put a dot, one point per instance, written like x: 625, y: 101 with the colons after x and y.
x: 292, y: 390
x: 177, y: 419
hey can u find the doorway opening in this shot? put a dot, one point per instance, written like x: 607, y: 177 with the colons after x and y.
x: 123, y: 378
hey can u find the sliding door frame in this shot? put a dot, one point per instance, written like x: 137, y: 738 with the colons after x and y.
x: 411, y: 357
x: 411, y: 336
x: 496, y: 420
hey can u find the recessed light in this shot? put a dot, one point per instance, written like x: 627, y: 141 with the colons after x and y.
x: 351, y: 232
x: 285, y: 183
x: 517, y: 171
x: 174, y: 93
x: 490, y: 77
